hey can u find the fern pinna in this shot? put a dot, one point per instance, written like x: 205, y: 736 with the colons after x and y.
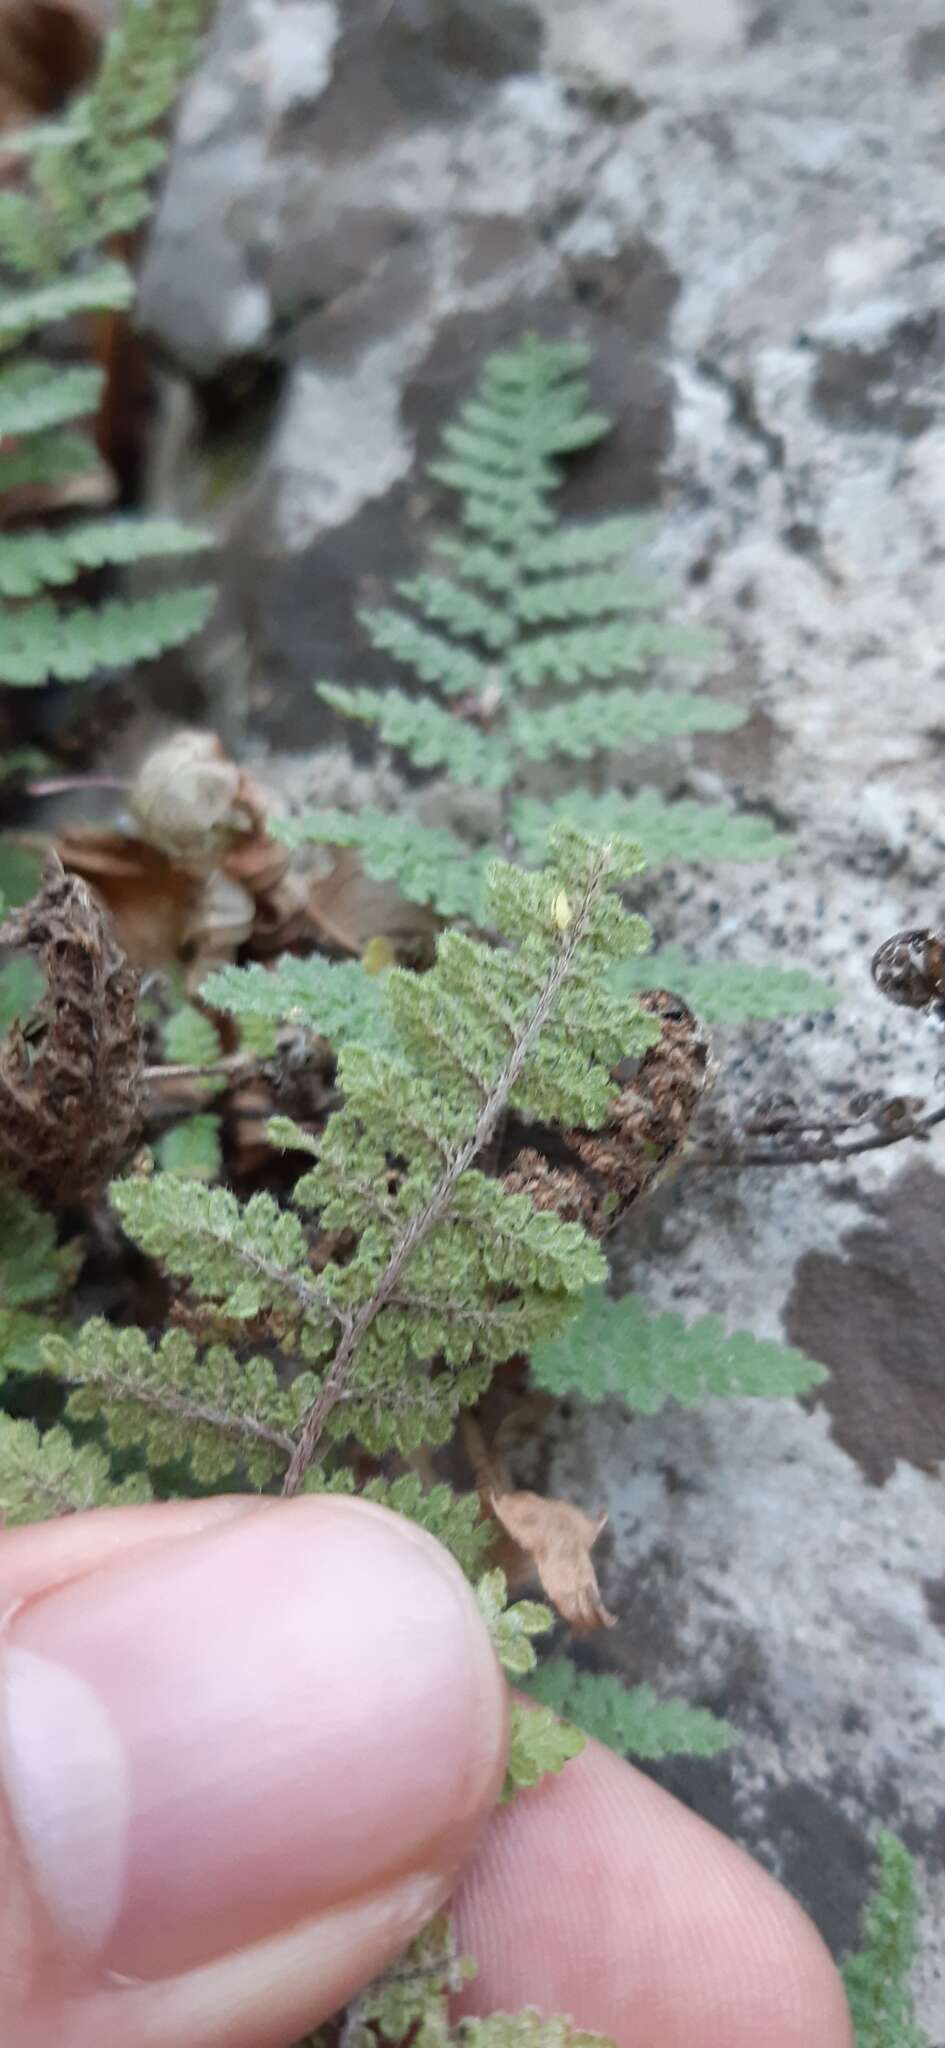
x: 85, y: 185
x: 534, y: 641
x: 434, y: 1269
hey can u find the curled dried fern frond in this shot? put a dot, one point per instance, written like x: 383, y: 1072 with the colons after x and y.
x: 70, y: 1075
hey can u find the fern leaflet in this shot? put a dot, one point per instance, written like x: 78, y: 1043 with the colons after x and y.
x: 619, y: 1348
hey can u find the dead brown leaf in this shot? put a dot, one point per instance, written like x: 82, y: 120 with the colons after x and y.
x: 200, y: 878
x: 557, y: 1539
x: 70, y: 1082
x: 151, y: 901
x: 349, y: 910
x: 197, y: 806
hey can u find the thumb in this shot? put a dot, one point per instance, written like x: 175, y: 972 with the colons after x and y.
x: 239, y: 1767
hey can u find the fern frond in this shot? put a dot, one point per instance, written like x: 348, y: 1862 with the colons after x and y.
x: 42, y: 644
x: 106, y: 288
x: 566, y: 600
x: 877, y: 1978
x: 455, y: 1519
x: 433, y: 658
x: 44, y: 1476
x: 190, y: 1038
x: 511, y: 1626
x: 631, y: 1720
x: 192, y: 1148
x: 36, y: 395
x: 679, y: 830
x: 334, y: 999
x: 620, y: 1348
x: 495, y: 568
x: 728, y: 991
x: 430, y: 736
x: 253, y: 1257
x: 530, y: 2028
x: 46, y: 459
x: 589, y: 544
x: 33, y: 1267
x: 449, y: 1264
x: 22, y: 983
x: 428, y: 863
x: 38, y: 557
x: 86, y: 183
x: 209, y: 1408
x: 600, y: 653
x: 600, y: 721
x: 89, y: 174
x: 539, y: 1745
x: 450, y: 604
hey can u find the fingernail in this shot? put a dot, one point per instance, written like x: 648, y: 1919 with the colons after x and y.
x: 216, y: 1739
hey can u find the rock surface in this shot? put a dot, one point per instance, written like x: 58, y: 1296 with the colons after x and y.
x: 740, y: 204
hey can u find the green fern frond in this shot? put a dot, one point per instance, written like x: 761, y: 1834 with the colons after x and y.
x: 530, y: 2028
x: 600, y: 721
x: 566, y: 600
x: 33, y: 1267
x: 37, y: 557
x: 433, y: 658
x: 599, y: 653
x: 619, y: 1348
x: 21, y: 987
x: 86, y: 182
x: 410, y: 2001
x: 455, y: 1519
x: 631, y: 1720
x: 44, y: 1476
x: 727, y: 991
x: 42, y: 644
x: 428, y: 863
x: 47, y: 459
x: 36, y: 395
x: 334, y: 999
x: 877, y: 1978
x: 539, y: 1745
x: 590, y: 544
x: 680, y: 830
x: 511, y: 1627
x: 108, y: 287
x: 190, y: 1038
x: 467, y: 615
x: 254, y: 1257
x: 489, y: 1273
x: 212, y: 1409
x: 89, y: 174
x: 192, y: 1148
x: 429, y: 736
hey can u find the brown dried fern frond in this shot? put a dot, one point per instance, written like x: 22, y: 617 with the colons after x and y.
x: 70, y: 1078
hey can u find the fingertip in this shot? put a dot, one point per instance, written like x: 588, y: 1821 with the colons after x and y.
x: 600, y: 1896
x: 307, y: 1695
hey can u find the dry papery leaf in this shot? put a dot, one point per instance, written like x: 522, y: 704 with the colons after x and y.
x: 200, y: 878
x: 70, y: 1081
x: 352, y: 913
x: 556, y: 1539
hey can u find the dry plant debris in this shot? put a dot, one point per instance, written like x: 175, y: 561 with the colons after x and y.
x: 70, y: 1081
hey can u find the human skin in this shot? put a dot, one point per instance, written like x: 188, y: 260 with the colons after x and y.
x: 247, y: 1748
